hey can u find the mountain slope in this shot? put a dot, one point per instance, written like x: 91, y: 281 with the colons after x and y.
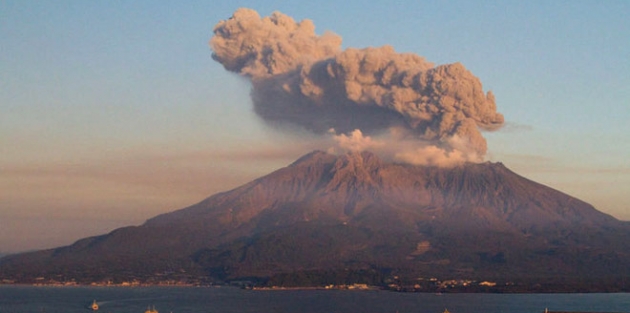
x: 357, y: 212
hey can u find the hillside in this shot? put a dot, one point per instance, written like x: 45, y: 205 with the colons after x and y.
x: 325, y: 214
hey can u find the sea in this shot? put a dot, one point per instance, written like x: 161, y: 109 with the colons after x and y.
x: 33, y: 299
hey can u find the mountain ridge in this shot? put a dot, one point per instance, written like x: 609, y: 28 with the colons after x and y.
x: 355, y: 211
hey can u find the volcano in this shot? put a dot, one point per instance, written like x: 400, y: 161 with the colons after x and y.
x: 356, y: 218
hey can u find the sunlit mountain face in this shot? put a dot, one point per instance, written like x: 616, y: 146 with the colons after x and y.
x: 354, y: 212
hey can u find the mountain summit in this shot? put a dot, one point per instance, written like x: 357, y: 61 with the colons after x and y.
x: 355, y: 212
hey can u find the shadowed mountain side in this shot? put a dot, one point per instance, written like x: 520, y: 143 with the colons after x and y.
x: 355, y: 211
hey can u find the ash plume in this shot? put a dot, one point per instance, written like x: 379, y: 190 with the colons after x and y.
x: 399, y: 102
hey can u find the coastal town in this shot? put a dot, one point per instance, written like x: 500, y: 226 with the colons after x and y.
x: 392, y: 284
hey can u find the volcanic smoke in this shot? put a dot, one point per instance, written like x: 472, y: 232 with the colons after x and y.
x: 398, y: 104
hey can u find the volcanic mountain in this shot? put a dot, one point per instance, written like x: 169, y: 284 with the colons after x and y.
x: 354, y: 213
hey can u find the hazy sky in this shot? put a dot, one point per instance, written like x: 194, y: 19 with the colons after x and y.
x: 112, y: 112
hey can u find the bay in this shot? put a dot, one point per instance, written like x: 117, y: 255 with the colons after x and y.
x: 32, y: 299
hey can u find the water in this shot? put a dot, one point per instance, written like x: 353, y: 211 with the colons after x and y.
x: 26, y: 299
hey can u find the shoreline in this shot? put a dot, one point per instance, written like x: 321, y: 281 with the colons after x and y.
x: 307, y: 288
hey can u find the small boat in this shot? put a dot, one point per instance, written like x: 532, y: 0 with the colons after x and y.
x: 151, y: 310
x: 94, y: 306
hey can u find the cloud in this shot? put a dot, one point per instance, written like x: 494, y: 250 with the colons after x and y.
x: 300, y: 78
x: 432, y: 155
x: 355, y: 142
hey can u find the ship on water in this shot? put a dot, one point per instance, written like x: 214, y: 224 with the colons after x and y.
x: 94, y: 306
x: 151, y: 310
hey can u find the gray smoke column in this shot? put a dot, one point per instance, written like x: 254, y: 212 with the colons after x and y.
x: 304, y: 79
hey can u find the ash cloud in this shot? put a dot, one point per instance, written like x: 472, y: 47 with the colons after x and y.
x: 422, y: 113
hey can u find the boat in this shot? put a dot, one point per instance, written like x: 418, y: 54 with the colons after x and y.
x: 151, y: 310
x: 94, y: 306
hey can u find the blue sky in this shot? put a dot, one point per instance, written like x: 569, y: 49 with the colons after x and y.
x: 112, y: 111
